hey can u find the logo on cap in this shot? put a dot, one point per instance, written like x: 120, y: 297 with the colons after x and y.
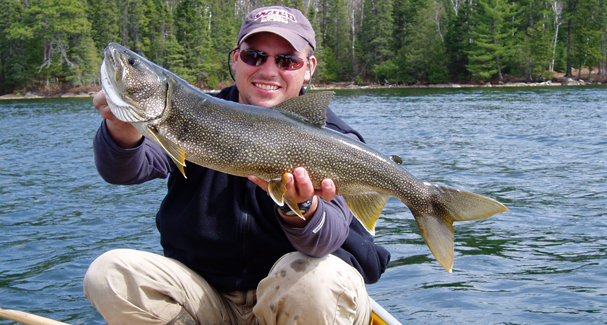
x: 276, y: 15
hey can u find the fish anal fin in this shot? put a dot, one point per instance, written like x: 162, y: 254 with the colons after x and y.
x: 367, y: 207
x: 176, y: 153
x: 311, y: 108
x: 438, y: 235
x: 277, y: 188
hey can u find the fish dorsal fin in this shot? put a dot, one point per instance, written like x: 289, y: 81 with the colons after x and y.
x: 366, y: 208
x: 311, y: 108
x: 175, y: 151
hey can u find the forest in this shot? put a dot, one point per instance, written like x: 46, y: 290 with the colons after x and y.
x: 58, y: 44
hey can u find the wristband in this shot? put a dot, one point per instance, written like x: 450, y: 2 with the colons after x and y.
x: 304, y: 207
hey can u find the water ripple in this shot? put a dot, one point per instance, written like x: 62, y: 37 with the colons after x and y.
x: 541, y: 151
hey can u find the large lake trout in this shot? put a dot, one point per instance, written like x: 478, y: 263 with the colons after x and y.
x: 245, y: 140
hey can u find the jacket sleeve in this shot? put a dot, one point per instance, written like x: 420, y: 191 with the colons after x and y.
x: 326, y: 231
x: 117, y: 165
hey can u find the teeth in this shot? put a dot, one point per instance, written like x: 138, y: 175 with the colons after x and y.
x: 266, y: 87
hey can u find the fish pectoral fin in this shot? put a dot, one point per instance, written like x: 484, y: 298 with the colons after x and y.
x: 277, y: 188
x: 176, y: 153
x: 294, y: 207
x: 312, y: 108
x: 438, y: 235
x: 367, y: 207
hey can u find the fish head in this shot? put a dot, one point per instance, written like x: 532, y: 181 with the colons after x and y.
x: 135, y: 88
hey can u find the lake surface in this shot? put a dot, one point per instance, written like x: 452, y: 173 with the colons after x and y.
x: 540, y: 151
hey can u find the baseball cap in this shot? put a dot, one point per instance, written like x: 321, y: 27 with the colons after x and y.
x: 286, y: 22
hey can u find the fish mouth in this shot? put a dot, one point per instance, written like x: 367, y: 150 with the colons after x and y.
x: 113, y: 85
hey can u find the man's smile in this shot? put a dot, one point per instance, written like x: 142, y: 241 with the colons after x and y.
x: 265, y: 87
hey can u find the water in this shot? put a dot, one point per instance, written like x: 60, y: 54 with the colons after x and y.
x: 540, y: 151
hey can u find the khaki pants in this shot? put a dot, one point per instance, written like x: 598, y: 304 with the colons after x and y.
x: 135, y: 287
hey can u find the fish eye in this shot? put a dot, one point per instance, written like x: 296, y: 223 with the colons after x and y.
x: 133, y: 61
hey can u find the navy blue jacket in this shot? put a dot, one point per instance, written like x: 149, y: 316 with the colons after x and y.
x: 225, y: 227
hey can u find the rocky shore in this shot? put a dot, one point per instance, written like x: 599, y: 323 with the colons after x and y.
x: 345, y: 85
x: 566, y: 82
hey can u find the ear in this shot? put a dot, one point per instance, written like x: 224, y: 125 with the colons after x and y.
x: 312, y: 67
x: 235, y: 54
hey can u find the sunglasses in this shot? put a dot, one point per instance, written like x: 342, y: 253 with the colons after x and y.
x: 283, y: 61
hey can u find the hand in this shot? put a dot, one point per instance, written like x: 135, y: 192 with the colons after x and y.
x: 124, y: 134
x: 300, y: 189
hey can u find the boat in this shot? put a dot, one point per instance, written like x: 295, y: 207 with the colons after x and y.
x: 379, y: 317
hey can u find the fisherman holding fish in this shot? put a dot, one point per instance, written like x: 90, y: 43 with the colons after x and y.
x: 231, y: 254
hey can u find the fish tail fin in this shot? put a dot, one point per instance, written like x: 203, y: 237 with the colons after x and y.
x: 449, y: 205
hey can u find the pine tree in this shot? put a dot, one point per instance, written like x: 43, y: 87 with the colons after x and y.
x: 221, y: 40
x: 133, y: 25
x: 103, y: 16
x: 336, y: 40
x: 489, y: 34
x: 586, y: 44
x: 61, y: 30
x: 376, y: 39
x: 457, y: 41
x: 14, y: 67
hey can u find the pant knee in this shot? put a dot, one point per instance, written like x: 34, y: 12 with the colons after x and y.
x: 105, y: 267
x: 315, y: 289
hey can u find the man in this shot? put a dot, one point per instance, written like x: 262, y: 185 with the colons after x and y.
x: 231, y: 255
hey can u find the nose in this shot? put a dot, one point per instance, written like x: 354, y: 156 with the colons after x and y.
x: 269, y: 68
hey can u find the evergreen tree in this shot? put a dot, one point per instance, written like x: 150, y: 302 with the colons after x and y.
x: 601, y: 11
x: 133, y: 25
x: 586, y: 43
x: 405, y: 19
x: 376, y: 39
x: 336, y: 40
x: 489, y: 34
x: 14, y: 65
x: 427, y: 46
x: 319, y: 51
x: 103, y: 16
x: 457, y: 42
x: 61, y: 31
x: 220, y: 41
x: 534, y: 52
x: 569, y: 15
x: 192, y: 28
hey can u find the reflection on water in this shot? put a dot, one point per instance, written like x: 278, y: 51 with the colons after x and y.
x: 540, y: 151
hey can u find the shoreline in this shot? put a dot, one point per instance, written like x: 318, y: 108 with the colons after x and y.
x: 349, y: 85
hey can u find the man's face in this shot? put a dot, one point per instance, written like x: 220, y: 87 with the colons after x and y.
x: 268, y: 85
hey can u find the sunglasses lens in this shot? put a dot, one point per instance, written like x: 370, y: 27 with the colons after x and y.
x: 284, y: 61
x: 289, y: 62
x: 254, y: 58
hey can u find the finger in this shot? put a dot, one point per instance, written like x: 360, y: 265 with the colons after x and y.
x: 328, y: 190
x: 99, y: 100
x: 291, y: 187
x: 260, y: 182
x: 101, y: 104
x: 305, y: 188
